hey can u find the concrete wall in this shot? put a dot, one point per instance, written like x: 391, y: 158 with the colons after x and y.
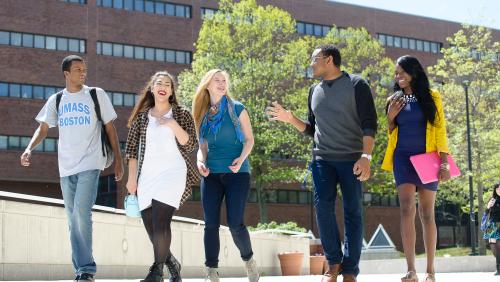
x: 35, y: 245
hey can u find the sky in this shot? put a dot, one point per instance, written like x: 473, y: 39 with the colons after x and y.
x: 478, y: 12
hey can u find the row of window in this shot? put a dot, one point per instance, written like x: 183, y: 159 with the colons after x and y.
x: 42, y: 41
x: 300, y: 197
x: 19, y: 143
x: 153, y: 7
x: 41, y: 92
x: 83, y: 2
x: 312, y: 29
x: 143, y: 53
x: 409, y: 43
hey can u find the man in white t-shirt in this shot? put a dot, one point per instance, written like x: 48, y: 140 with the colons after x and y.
x: 80, y: 155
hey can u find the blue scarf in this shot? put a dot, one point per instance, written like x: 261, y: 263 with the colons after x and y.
x: 212, y: 122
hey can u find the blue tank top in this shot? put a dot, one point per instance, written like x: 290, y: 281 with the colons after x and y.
x: 225, y: 147
x: 411, y: 128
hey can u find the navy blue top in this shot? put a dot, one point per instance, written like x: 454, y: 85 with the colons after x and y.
x: 225, y: 147
x: 411, y: 129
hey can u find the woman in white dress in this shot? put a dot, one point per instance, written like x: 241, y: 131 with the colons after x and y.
x: 161, y: 136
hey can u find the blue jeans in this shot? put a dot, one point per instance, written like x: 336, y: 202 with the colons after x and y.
x: 326, y: 176
x: 79, y: 194
x: 234, y: 187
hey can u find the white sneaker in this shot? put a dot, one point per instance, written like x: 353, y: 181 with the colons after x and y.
x: 211, y: 274
x: 252, y: 270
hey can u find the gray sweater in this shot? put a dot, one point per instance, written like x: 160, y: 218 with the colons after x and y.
x: 341, y: 112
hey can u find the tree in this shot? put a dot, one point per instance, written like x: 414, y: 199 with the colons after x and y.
x: 267, y: 61
x: 472, y: 58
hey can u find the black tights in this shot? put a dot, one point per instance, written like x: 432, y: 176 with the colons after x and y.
x: 495, y: 249
x: 157, y: 219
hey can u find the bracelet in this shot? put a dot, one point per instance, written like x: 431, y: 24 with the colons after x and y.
x: 445, y: 166
x: 200, y: 161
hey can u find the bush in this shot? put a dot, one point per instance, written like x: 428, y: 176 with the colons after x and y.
x: 289, y: 226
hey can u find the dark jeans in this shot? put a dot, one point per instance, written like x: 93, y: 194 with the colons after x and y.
x: 234, y: 188
x: 326, y: 175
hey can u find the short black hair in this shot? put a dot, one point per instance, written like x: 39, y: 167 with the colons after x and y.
x: 330, y: 50
x: 66, y: 62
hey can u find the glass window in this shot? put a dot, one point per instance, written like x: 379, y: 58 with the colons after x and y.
x: 25, y: 141
x: 117, y: 99
x: 28, y: 40
x: 15, y: 90
x: 160, y: 55
x: 427, y: 46
x: 139, y: 52
x: 128, y: 5
x: 160, y: 8
x: 117, y: 50
x: 326, y: 30
x: 304, y: 197
x: 180, y: 58
x: 412, y: 44
x: 139, y: 5
x: 13, y: 142
x: 99, y: 48
x: 15, y: 39
x: 107, y: 3
x: 170, y: 56
x: 150, y: 54
x: 118, y: 4
x: 128, y: 51
x: 49, y: 91
x: 27, y: 91
x: 82, y: 46
x: 292, y: 197
x: 3, y: 142
x: 50, y: 43
x: 404, y: 43
x: 62, y: 44
x: 4, y: 89
x: 282, y: 196
x: 252, y: 197
x: 38, y: 92
x: 50, y: 145
x: 170, y: 9
x: 128, y: 100
x: 180, y: 11
x: 309, y: 29
x: 390, y: 40
x: 420, y: 45
x: 188, y: 11
x: 150, y: 7
x: 188, y: 57
x: 381, y: 39
x: 301, y: 28
x: 4, y: 37
x: 73, y: 45
x: 39, y: 41
x: 397, y: 41
x: 318, y: 30
x: 107, y: 49
x: 434, y: 47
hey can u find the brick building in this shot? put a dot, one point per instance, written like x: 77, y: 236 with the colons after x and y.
x: 124, y: 42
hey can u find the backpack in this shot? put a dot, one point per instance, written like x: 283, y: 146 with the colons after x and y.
x: 107, y: 150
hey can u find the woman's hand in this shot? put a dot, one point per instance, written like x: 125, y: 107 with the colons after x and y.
x: 202, y: 168
x: 132, y: 186
x: 236, y: 165
x: 491, y: 203
x: 444, y: 175
x: 395, y: 106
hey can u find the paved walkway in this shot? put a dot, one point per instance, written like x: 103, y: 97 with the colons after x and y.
x: 440, y: 277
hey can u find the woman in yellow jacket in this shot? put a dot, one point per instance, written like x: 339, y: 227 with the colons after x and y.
x: 416, y: 125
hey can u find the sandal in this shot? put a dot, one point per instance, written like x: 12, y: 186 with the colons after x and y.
x: 429, y: 277
x: 411, y: 276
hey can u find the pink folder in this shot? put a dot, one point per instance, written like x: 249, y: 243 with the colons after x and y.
x: 427, y: 166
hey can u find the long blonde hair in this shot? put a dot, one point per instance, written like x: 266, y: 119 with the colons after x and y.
x: 201, y: 100
x: 146, y: 99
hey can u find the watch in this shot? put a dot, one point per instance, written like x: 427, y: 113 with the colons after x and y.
x: 445, y: 166
x: 369, y: 157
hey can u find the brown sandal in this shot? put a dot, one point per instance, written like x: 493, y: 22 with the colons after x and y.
x: 411, y: 276
x: 429, y: 277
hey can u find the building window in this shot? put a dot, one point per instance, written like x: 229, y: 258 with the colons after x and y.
x: 106, y: 191
x: 304, y: 28
x: 152, y: 7
x: 409, y: 43
x: 141, y: 53
x: 19, y: 143
x: 83, y: 2
x: 208, y: 12
x: 29, y: 40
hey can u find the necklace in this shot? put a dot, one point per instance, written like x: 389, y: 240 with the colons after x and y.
x: 214, y: 109
x: 409, y: 98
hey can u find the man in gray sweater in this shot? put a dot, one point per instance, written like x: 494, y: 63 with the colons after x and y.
x: 342, y: 120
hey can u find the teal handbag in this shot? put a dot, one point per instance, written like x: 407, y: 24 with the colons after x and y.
x: 131, y: 205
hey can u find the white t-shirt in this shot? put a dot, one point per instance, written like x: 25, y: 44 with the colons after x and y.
x: 79, y: 146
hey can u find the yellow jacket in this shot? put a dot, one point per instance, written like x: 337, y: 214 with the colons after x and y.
x: 435, y: 135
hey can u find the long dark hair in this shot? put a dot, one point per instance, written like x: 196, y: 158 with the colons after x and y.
x: 495, y: 194
x: 419, y: 85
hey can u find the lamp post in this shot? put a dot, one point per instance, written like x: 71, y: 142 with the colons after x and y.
x: 472, y: 218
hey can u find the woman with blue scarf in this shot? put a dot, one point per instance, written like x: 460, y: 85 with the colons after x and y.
x: 226, y: 139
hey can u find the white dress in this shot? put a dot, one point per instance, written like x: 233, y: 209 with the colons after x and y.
x: 163, y: 172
